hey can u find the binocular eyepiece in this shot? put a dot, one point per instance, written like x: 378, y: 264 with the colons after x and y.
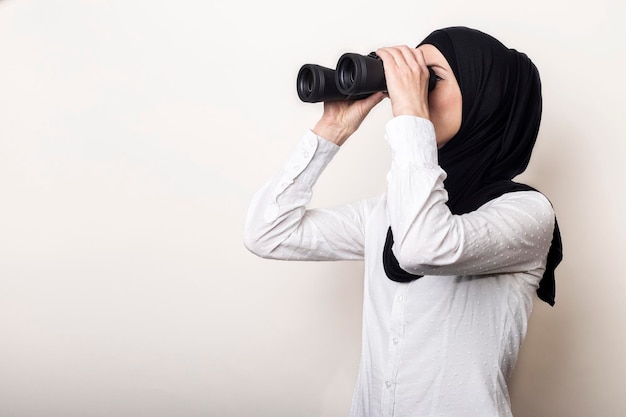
x: 355, y: 77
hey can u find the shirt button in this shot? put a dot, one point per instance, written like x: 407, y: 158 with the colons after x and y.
x: 400, y: 298
x: 396, y: 340
x: 388, y: 384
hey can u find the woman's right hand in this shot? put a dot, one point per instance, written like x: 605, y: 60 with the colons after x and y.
x: 342, y: 118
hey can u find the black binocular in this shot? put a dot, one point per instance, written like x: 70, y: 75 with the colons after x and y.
x: 355, y: 77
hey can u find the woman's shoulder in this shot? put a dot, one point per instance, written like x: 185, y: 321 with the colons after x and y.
x: 526, y: 204
x: 524, y: 197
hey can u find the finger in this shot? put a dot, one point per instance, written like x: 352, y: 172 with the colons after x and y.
x: 376, y: 98
x: 385, y: 55
x: 418, y: 55
x: 392, y: 55
x: 408, y: 56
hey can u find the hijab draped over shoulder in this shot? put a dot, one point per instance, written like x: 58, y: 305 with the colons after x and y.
x: 501, y: 114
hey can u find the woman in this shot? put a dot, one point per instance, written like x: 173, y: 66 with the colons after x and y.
x: 454, y: 250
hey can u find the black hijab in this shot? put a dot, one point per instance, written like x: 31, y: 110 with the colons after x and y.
x: 501, y: 92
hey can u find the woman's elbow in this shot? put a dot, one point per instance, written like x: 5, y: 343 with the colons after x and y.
x: 412, y: 260
x: 427, y: 257
x: 253, y: 242
x: 261, y: 243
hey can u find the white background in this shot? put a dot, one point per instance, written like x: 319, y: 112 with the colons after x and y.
x: 132, y: 137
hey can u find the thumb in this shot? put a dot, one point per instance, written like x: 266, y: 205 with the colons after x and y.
x: 370, y: 102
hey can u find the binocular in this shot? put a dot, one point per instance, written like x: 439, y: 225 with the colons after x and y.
x: 355, y: 77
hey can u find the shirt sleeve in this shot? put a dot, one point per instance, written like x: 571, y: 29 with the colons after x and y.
x: 279, y: 225
x: 509, y: 234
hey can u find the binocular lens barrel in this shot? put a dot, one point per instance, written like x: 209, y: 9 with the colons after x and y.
x: 356, y: 77
x: 316, y: 83
x: 360, y: 74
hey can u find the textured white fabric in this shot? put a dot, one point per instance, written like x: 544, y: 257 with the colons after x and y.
x: 442, y: 345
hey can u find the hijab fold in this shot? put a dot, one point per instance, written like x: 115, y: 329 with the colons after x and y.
x: 501, y: 114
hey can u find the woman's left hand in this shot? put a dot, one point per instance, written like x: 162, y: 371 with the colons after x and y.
x: 407, y: 76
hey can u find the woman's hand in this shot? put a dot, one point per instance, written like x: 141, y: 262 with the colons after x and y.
x: 342, y: 118
x: 407, y: 76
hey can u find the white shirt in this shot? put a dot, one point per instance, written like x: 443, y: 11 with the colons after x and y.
x: 444, y: 344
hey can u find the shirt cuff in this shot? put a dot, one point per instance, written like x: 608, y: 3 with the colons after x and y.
x: 412, y: 140
x: 306, y: 162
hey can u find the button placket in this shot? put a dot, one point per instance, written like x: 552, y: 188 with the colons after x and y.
x: 396, y: 332
x: 397, y: 317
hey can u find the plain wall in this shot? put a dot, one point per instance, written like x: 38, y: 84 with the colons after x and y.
x: 132, y: 137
